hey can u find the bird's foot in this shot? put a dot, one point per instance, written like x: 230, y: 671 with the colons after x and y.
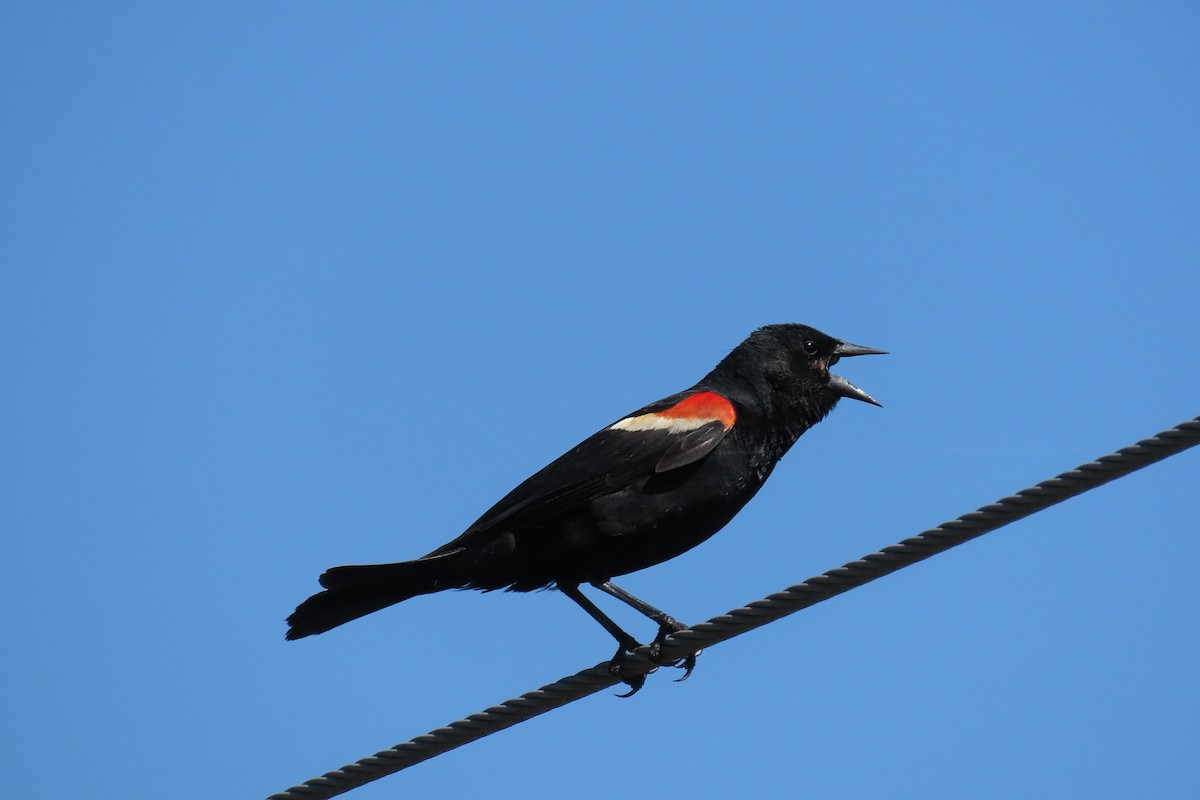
x: 686, y: 663
x: 616, y: 669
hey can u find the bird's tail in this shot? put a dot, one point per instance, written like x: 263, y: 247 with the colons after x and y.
x: 352, y: 592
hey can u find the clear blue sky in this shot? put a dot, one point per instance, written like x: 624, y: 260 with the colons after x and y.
x: 290, y: 285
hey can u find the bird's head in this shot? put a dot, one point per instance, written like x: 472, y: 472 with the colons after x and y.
x: 786, y: 367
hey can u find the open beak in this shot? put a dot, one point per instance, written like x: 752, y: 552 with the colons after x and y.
x: 844, y: 387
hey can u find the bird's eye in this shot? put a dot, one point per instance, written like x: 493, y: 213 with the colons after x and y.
x: 809, y: 347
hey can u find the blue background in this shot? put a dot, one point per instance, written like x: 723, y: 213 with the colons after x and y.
x: 287, y: 285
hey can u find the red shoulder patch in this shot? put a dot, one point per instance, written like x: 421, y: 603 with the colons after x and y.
x: 707, y: 406
x: 690, y: 413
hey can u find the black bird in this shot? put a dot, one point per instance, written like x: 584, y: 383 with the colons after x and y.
x: 643, y: 490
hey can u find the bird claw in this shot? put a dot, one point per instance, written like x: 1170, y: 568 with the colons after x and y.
x: 687, y: 663
x: 635, y: 685
x: 634, y: 682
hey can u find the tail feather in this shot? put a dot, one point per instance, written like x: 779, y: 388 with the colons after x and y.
x: 355, y: 591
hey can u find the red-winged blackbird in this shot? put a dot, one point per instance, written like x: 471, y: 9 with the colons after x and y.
x: 642, y: 490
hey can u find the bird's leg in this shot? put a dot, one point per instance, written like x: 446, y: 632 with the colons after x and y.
x: 625, y: 642
x: 666, y: 626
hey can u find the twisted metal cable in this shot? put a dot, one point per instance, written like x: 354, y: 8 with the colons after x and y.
x: 756, y: 614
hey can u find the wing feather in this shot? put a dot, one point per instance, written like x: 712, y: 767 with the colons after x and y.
x: 604, y: 463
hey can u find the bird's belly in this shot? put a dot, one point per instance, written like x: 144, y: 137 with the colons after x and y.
x: 658, y: 520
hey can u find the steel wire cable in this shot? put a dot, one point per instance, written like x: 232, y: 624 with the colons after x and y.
x: 756, y: 614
